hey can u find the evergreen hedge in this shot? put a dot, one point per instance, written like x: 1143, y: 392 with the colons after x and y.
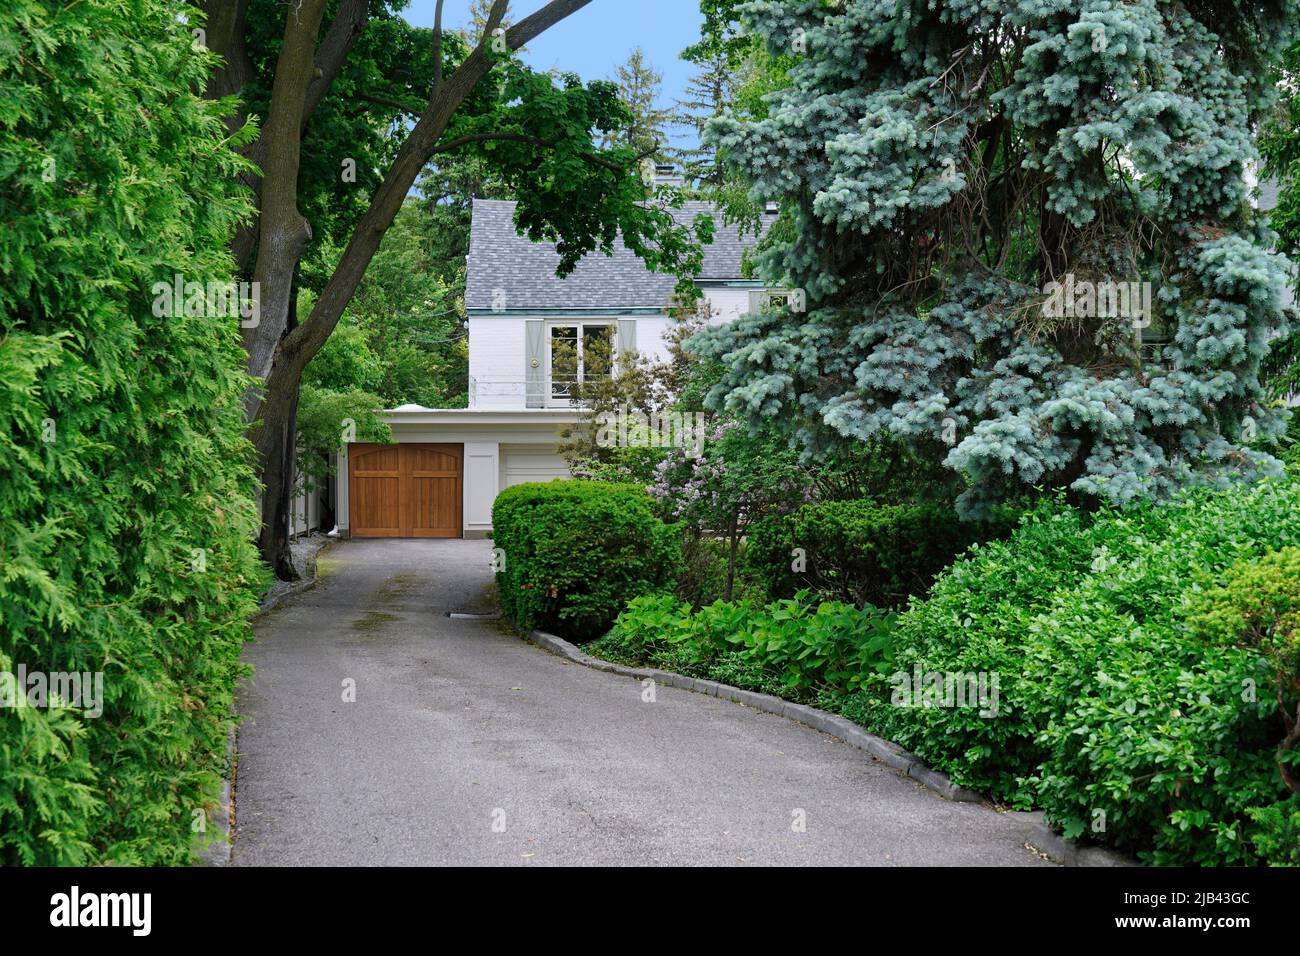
x: 126, y: 490
x: 859, y: 551
x: 574, y: 553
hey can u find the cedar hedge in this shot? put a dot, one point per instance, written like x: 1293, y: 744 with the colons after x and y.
x: 126, y: 492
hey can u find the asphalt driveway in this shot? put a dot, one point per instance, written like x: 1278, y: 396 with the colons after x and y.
x: 466, y: 745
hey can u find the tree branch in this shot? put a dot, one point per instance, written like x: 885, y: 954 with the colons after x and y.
x: 348, y: 25
x: 299, y: 345
x: 541, y: 21
x: 495, y: 16
x: 437, y: 46
x: 387, y: 101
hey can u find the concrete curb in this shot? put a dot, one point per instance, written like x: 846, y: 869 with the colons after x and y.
x: 1067, y: 852
x: 1042, y: 837
x: 217, y: 853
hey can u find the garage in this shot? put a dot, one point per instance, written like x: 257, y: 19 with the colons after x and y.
x: 405, y: 491
x: 524, y: 463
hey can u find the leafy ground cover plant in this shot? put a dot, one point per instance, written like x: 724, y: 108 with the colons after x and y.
x: 797, y: 647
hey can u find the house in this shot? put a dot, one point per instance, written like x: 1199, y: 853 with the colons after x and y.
x: 446, y: 466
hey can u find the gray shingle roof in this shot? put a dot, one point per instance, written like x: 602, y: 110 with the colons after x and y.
x: 500, y: 258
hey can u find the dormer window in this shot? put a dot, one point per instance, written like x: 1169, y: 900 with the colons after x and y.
x: 577, y: 352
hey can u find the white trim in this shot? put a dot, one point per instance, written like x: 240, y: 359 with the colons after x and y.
x: 476, y: 417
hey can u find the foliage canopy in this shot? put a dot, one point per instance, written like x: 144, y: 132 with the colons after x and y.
x: 942, y: 165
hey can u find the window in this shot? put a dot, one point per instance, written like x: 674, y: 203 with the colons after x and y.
x: 578, y: 352
x: 774, y: 300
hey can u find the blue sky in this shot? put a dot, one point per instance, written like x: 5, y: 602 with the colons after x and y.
x: 598, y: 37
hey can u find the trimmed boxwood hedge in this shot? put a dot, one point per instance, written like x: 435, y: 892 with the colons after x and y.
x: 860, y: 551
x: 574, y: 553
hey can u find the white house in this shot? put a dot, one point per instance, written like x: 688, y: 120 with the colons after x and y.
x: 447, y: 466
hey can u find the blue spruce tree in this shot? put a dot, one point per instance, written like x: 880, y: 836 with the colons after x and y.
x: 1024, y: 237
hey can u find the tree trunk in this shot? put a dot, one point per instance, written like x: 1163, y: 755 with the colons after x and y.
x: 1289, y: 743
x: 225, y: 28
x: 278, y: 353
x: 276, y: 439
x: 283, y: 231
x: 279, y: 398
x: 733, y: 536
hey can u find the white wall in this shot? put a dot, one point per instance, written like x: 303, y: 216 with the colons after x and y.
x: 727, y: 304
x: 650, y: 336
x: 497, y: 350
x: 498, y: 347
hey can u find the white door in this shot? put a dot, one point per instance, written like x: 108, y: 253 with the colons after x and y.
x: 524, y: 463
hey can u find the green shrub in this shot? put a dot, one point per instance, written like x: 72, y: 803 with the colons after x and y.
x: 1289, y: 446
x: 576, y: 552
x: 650, y: 626
x: 796, y: 646
x: 1277, y: 838
x: 703, y: 575
x: 859, y: 551
x: 126, y: 511
x: 1258, y: 607
x: 1117, y: 715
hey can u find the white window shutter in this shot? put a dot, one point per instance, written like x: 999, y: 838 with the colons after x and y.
x: 626, y: 342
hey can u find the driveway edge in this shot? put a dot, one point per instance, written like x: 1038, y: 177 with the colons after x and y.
x: 1043, y: 838
x: 217, y: 852
x: 220, y: 851
x: 272, y: 601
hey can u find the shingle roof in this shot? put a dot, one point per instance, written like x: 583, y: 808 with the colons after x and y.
x: 500, y: 258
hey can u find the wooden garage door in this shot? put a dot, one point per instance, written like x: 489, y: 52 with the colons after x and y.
x: 405, y: 491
